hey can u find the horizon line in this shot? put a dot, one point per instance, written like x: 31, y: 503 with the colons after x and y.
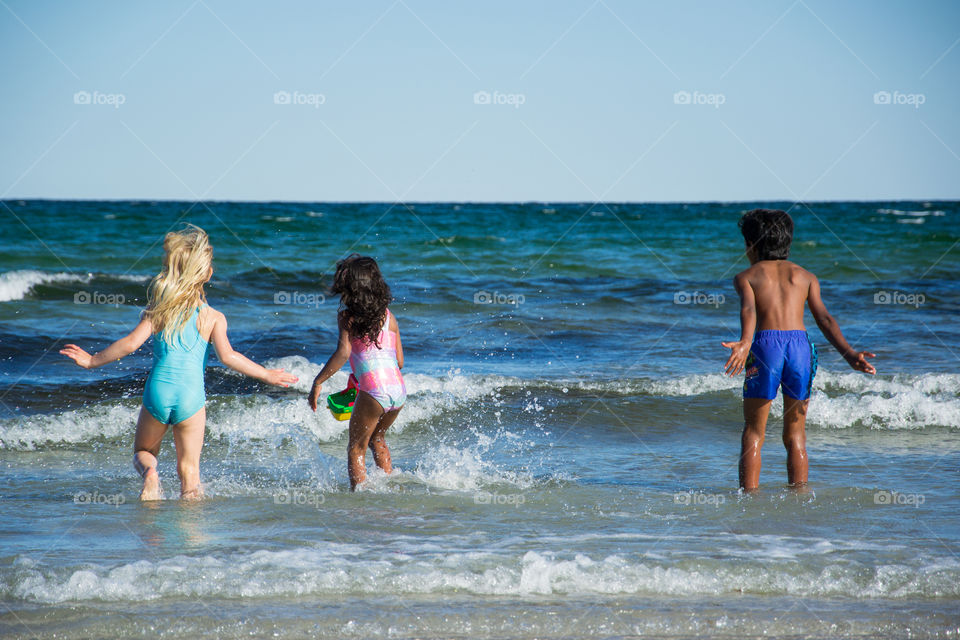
x: 476, y: 202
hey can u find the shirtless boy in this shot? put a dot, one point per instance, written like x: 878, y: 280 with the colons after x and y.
x: 774, y: 346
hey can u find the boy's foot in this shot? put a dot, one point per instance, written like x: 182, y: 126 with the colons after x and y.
x: 151, y: 485
x: 799, y: 488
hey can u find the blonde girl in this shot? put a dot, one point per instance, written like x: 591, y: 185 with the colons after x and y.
x: 183, y: 327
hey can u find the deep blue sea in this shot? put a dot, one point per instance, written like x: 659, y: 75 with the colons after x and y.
x: 566, y: 465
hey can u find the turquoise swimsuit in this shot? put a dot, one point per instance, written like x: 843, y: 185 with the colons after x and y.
x: 174, y: 390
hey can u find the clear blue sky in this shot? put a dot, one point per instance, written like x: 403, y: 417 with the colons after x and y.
x: 597, y: 80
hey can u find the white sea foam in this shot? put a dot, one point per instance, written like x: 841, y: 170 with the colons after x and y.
x: 915, y: 214
x: 689, y: 385
x: 15, y: 285
x: 692, y: 385
x: 907, y: 410
x: 108, y: 421
x: 849, y: 399
x: 846, y: 382
x: 350, y: 569
x: 237, y: 419
x: 468, y: 468
x: 853, y: 382
x: 840, y: 400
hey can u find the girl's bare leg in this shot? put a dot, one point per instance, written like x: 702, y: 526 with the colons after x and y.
x: 146, y: 446
x: 755, y: 413
x: 795, y: 439
x: 364, y: 420
x: 378, y: 444
x: 188, y: 438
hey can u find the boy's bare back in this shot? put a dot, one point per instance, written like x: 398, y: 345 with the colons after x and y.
x: 779, y: 289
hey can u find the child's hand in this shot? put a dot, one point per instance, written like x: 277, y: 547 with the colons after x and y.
x: 858, y: 360
x: 78, y: 355
x: 738, y: 356
x: 278, y: 378
x: 314, y: 395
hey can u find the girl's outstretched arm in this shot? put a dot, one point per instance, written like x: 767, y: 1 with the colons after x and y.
x: 122, y: 347
x: 336, y: 361
x: 239, y: 362
x: 396, y: 329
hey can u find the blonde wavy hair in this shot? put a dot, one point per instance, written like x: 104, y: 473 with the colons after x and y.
x: 178, y: 289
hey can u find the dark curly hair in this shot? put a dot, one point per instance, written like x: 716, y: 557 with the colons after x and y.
x: 364, y: 296
x: 768, y: 232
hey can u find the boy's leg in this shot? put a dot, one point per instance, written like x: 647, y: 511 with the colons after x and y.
x: 795, y: 439
x: 188, y: 438
x: 363, y: 422
x: 378, y: 444
x: 755, y: 412
x: 146, y: 446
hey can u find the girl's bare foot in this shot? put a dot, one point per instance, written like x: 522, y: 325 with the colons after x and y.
x: 192, y: 494
x: 151, y: 485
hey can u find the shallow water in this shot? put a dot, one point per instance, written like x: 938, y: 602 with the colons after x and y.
x: 566, y: 463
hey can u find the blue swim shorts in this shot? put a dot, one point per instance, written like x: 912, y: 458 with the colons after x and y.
x: 784, y: 359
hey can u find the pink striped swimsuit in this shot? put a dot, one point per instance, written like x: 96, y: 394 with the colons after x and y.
x: 376, y: 369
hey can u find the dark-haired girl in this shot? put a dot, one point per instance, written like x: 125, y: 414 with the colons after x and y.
x: 370, y: 340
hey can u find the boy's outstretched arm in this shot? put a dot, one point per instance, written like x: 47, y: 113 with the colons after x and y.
x: 740, y: 349
x: 831, y: 331
x: 122, y: 347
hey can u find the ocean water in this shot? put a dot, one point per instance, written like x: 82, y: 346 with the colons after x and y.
x: 566, y: 466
